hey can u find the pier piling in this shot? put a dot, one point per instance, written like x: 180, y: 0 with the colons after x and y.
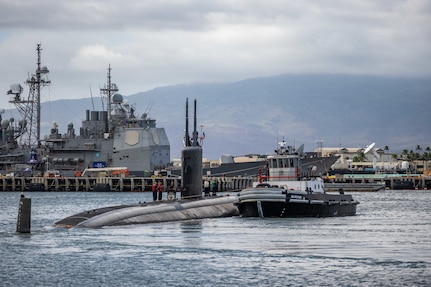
x: 24, y: 215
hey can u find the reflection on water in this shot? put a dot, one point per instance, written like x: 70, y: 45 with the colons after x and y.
x: 191, y: 226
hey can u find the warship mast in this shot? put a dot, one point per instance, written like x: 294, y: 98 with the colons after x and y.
x: 108, y: 90
x: 30, y: 108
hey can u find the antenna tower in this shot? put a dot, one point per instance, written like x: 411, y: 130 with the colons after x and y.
x: 30, y: 108
x: 108, y: 91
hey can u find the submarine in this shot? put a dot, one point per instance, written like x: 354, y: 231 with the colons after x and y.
x: 191, y: 204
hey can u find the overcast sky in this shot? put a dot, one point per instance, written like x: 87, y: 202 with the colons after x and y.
x: 154, y: 43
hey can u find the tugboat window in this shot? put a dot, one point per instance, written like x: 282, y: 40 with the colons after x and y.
x: 280, y: 163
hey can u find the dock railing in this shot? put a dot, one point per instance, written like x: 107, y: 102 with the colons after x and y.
x: 127, y: 184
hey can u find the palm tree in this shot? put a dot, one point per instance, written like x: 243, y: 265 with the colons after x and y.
x: 405, y: 153
x: 412, y: 156
x: 427, y: 154
x: 386, y: 149
x: 360, y: 157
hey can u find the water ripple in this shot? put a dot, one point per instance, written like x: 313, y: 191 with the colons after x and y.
x: 387, y: 244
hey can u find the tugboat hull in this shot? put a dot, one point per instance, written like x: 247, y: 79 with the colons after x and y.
x: 271, y: 202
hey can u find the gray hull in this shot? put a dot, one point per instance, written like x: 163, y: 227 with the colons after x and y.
x: 153, y: 212
x: 138, y: 149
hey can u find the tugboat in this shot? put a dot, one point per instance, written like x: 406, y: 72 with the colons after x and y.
x: 289, y: 191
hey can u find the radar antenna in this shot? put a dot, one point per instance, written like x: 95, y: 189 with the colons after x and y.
x: 371, y: 148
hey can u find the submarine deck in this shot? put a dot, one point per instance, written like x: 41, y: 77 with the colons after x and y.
x: 152, y: 212
x: 74, y: 220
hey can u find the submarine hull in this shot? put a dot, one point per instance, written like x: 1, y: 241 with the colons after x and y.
x: 153, y: 212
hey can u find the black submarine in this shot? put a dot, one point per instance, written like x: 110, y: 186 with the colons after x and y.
x: 191, y: 204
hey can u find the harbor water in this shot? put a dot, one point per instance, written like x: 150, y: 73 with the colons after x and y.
x: 388, y: 243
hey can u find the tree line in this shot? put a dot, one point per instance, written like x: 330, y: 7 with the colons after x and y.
x: 406, y: 154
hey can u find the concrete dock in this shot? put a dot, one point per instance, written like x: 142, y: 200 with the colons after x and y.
x: 375, y: 182
x: 127, y: 184
x: 140, y: 184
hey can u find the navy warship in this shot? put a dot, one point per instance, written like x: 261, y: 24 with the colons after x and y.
x: 113, y: 137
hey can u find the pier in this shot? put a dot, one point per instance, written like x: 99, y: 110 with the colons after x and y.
x: 127, y: 184
x: 371, y: 182
x: 140, y: 184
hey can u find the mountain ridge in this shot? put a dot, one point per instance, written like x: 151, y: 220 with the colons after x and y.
x: 252, y: 115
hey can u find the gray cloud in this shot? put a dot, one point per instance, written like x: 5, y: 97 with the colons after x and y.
x: 151, y: 43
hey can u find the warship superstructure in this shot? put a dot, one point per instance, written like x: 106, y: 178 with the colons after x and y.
x: 113, y: 137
